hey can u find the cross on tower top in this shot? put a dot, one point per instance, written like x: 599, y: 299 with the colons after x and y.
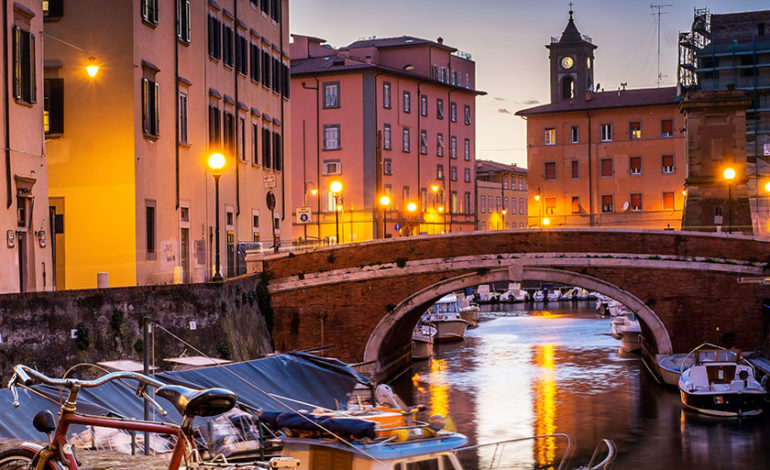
x: 570, y: 9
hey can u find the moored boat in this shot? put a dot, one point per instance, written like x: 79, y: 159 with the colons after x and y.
x: 422, y: 342
x: 445, y: 317
x: 721, y: 383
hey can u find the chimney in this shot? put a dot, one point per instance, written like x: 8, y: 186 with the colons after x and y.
x: 440, y: 40
x: 589, y: 95
x: 368, y: 59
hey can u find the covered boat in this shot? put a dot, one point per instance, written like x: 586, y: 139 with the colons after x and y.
x: 444, y: 315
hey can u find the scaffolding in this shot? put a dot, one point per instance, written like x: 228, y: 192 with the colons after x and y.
x: 690, y: 42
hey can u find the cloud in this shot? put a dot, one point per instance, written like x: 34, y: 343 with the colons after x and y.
x: 497, y: 98
x: 528, y: 102
x: 503, y: 111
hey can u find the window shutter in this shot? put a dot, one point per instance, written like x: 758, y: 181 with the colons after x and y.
x: 188, y: 31
x: 668, y: 160
x: 55, y: 105
x: 606, y: 167
x: 179, y: 18
x: 145, y: 107
x: 32, y: 70
x: 16, y: 62
x: 156, y: 109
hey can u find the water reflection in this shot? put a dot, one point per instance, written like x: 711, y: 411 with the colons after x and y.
x: 525, y: 373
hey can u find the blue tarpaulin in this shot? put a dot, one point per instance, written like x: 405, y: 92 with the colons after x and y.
x: 276, y: 383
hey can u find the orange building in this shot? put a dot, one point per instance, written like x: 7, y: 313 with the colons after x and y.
x: 603, y: 159
x: 501, y: 196
x: 383, y: 117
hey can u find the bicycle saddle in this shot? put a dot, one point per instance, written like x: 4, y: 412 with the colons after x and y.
x: 191, y: 402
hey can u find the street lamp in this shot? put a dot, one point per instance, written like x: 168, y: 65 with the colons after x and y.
x: 216, y: 163
x: 384, y: 203
x: 539, y: 207
x: 411, y: 208
x: 336, y: 189
x: 313, y: 191
x: 729, y: 175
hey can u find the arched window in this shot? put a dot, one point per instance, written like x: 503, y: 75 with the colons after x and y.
x: 567, y: 88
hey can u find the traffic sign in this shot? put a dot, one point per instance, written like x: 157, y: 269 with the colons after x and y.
x: 303, y: 215
x: 270, y: 180
x: 270, y: 201
x: 397, y: 227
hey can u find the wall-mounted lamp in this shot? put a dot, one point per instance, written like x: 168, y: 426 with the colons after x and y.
x: 92, y: 68
x: 41, y: 238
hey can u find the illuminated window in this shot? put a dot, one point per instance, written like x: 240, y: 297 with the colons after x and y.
x: 549, y: 136
x: 668, y: 201
x: 53, y: 8
x: 53, y: 106
x: 550, y: 205
x: 634, y: 130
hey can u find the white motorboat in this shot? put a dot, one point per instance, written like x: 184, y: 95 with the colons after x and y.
x: 469, y: 311
x: 625, y: 327
x: 721, y: 383
x: 514, y: 293
x: 444, y: 315
x: 554, y: 295
x: 486, y: 294
x: 422, y: 342
x: 538, y: 296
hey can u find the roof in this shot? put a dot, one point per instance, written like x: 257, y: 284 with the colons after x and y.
x: 488, y: 166
x: 608, y: 99
x: 401, y: 41
x: 571, y: 35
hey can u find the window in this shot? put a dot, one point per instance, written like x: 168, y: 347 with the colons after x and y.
x: 550, y: 205
x: 668, y: 201
x: 228, y: 131
x: 266, y: 68
x: 241, y: 55
x: 635, y: 165
x: 467, y: 115
x: 149, y: 212
x: 407, y: 102
x: 440, y: 144
x: 386, y: 95
x: 386, y: 137
x: 607, y: 204
x: 453, y: 146
x: 424, y: 199
x: 606, y: 167
x: 423, y: 142
x: 634, y: 130
x: 423, y: 105
x: 667, y: 162
x: 467, y: 150
x: 267, y: 160
x: 636, y: 202
x: 440, y: 172
x: 666, y: 127
x: 574, y: 170
x: 549, y: 136
x: 214, y: 128
x: 453, y: 111
x: 453, y: 173
x: 489, y: 205
x: 150, y: 11
x: 505, y: 182
x: 242, y: 138
x: 266, y: 6
x: 53, y: 8
x: 605, y: 132
x: 215, y: 38
x: 467, y: 175
x: 150, y: 111
x: 275, y: 10
x: 331, y: 167
x: 387, y: 166
x: 405, y: 143
x: 455, y: 203
x: 405, y: 195
x: 53, y: 106
x: 277, y: 151
x: 331, y: 95
x: 522, y: 207
x: 24, y: 82
x: 331, y: 137
x: 439, y: 108
x: 254, y: 61
x: 255, y: 142
x: 182, y: 117
x: 183, y: 20
x: 467, y: 80
x: 483, y: 205
x: 575, y: 204
x: 497, y: 204
x: 468, y: 208
x: 574, y: 135
x: 550, y: 170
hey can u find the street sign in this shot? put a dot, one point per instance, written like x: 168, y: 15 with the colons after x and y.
x: 270, y: 180
x: 397, y: 227
x: 303, y: 215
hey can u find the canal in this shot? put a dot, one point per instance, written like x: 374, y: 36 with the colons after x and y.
x: 534, y: 372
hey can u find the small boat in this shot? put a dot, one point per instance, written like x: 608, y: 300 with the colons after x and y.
x: 721, y: 383
x: 469, y: 311
x: 444, y: 315
x: 514, y: 293
x: 486, y: 294
x: 554, y: 295
x: 671, y: 366
x: 625, y: 327
x: 538, y: 296
x: 422, y: 342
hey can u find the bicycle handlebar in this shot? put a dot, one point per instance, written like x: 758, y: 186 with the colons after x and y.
x: 25, y: 375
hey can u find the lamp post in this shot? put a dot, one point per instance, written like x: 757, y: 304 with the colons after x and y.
x: 384, y: 203
x: 313, y: 191
x: 729, y: 175
x: 435, y: 188
x: 216, y: 163
x: 411, y: 208
x: 336, y: 189
x: 540, y: 209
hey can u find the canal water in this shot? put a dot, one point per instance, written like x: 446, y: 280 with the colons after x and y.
x: 557, y: 370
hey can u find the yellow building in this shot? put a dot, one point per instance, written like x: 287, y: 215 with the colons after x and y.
x: 501, y: 196
x: 25, y: 257
x: 128, y: 148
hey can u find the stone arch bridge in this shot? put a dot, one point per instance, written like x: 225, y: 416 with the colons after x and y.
x: 363, y: 300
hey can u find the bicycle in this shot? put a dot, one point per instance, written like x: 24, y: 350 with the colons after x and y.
x: 59, y: 455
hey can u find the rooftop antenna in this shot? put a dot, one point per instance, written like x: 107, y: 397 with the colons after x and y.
x: 658, y: 13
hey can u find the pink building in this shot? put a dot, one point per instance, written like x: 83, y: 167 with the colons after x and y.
x: 384, y: 117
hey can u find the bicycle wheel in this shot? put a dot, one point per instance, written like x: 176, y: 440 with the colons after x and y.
x: 13, y: 459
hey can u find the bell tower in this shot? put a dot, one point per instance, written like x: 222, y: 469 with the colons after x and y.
x: 572, y: 63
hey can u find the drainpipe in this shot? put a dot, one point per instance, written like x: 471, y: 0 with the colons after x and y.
x: 236, y: 117
x: 590, y: 176
x: 283, y: 117
x: 449, y: 160
x: 7, y: 109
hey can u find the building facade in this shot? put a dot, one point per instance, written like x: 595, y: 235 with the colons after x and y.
x: 383, y: 117
x: 501, y: 196
x: 128, y: 149
x: 25, y: 257
x: 602, y: 159
x: 724, y: 75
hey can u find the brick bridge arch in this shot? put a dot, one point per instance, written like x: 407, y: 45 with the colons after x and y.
x: 362, y: 300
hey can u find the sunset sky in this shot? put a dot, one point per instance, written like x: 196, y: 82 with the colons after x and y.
x: 507, y: 40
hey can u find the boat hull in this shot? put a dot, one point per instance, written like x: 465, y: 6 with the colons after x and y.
x: 421, y: 350
x: 724, y: 404
x: 630, y: 340
x: 449, y: 330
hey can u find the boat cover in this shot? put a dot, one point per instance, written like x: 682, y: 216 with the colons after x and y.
x: 286, y: 382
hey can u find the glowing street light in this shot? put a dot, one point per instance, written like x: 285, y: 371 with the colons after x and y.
x: 546, y: 221
x: 92, y: 68
x: 216, y: 163
x: 411, y: 207
x: 336, y: 189
x: 729, y: 175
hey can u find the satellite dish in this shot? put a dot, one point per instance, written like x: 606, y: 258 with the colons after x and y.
x: 625, y: 206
